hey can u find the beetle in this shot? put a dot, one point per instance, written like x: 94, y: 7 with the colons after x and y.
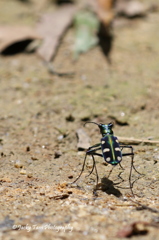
x: 111, y: 151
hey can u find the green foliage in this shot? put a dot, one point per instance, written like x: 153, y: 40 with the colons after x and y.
x: 86, y: 25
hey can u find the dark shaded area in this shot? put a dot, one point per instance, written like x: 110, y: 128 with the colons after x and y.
x: 131, y: 17
x: 85, y: 119
x: 108, y: 187
x: 25, y: 1
x: 59, y: 2
x: 16, y: 47
x: 105, y: 40
x: 70, y: 118
x: 118, y: 121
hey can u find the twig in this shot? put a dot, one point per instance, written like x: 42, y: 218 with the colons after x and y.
x: 145, y: 207
x: 52, y: 71
x: 135, y: 141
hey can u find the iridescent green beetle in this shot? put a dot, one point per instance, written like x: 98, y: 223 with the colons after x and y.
x: 111, y: 151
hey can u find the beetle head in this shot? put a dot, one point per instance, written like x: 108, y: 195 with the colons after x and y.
x: 105, y: 129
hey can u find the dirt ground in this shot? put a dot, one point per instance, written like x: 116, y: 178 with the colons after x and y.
x: 39, y: 116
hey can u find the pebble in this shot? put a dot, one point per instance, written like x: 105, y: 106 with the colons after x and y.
x: 2, y: 189
x: 29, y: 175
x: 18, y: 164
x: 22, y: 171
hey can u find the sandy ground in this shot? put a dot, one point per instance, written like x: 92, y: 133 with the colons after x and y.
x: 39, y: 116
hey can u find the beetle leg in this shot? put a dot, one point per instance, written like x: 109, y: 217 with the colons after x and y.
x: 94, y: 146
x: 91, y: 152
x: 121, y: 166
x: 132, y: 164
x: 92, y: 168
x: 95, y: 168
x: 110, y: 172
x: 81, y: 170
x: 130, y: 154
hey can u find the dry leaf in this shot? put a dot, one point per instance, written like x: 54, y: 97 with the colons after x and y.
x: 51, y: 28
x: 136, y: 228
x: 11, y: 35
x: 105, y: 11
x: 130, y: 8
x: 83, y: 139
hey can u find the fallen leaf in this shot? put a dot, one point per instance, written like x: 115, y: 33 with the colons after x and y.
x: 14, y: 39
x: 51, y: 28
x: 136, y: 228
x: 131, y: 8
x: 83, y: 139
x: 105, y: 11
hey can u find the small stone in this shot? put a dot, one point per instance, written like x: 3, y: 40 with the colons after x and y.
x: 2, y: 189
x: 29, y: 175
x: 18, y: 164
x: 57, y: 154
x: 42, y: 191
x: 34, y: 158
x: 23, y: 171
x: 70, y: 176
x: 70, y: 118
x: 60, y: 137
x: 27, y: 149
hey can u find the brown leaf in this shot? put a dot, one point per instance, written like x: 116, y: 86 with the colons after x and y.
x: 136, y: 228
x: 83, y: 139
x: 131, y: 8
x: 11, y: 35
x: 51, y: 28
x: 105, y: 11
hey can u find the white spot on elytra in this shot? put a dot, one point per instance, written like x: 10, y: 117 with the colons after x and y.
x: 108, y: 159
x: 119, y: 158
x: 106, y: 150
x: 117, y: 140
x: 117, y: 149
x: 103, y: 142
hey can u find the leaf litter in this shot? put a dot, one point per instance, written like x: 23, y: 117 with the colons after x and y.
x: 12, y: 37
x: 51, y: 28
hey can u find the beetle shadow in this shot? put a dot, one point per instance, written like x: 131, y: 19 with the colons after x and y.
x: 108, y: 186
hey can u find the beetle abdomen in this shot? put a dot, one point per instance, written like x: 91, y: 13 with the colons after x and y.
x: 111, y: 149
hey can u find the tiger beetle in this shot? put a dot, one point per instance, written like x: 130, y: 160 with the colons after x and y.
x: 111, y: 151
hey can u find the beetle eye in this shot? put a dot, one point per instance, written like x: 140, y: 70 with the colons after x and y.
x: 110, y: 125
